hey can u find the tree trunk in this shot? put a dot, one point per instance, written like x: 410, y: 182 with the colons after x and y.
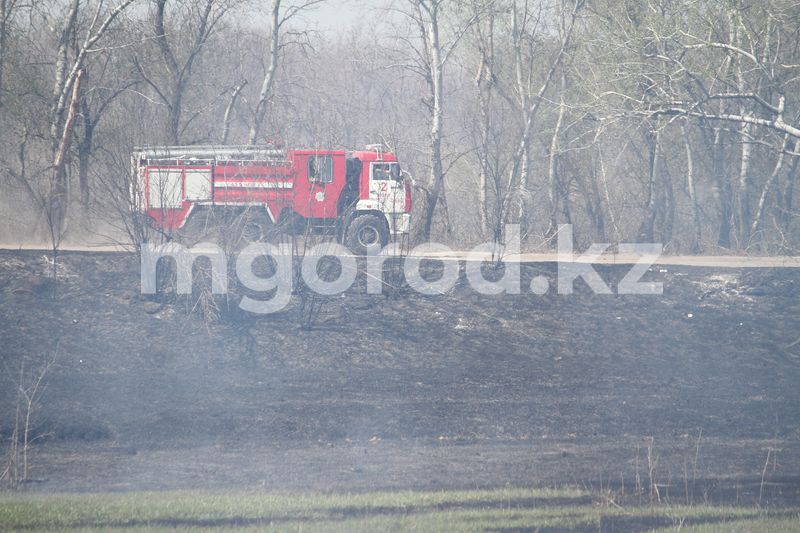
x: 226, y: 120
x: 58, y: 198
x: 4, y: 16
x: 174, y: 112
x: 60, y: 86
x: 743, y: 192
x: 786, y: 197
x: 84, y: 153
x: 592, y: 202
x: 743, y: 196
x: 647, y: 228
x: 552, y: 171
x: 762, y: 200
x: 436, y: 180
x: 523, y: 190
x: 597, y: 215
x: 666, y: 205
x: 723, y: 189
x: 690, y: 186
x: 484, y: 88
x: 483, y: 84
x: 269, y: 78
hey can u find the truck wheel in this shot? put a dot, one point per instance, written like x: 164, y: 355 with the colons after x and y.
x: 252, y: 231
x: 248, y: 226
x: 366, y: 232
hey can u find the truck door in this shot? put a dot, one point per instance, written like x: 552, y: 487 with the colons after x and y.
x: 326, y: 176
x: 386, y: 187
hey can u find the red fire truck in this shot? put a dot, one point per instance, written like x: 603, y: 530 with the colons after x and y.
x: 361, y: 195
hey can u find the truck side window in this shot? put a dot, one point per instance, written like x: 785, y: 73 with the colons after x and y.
x: 320, y: 169
x: 386, y: 171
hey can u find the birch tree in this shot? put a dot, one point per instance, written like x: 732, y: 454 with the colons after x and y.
x: 428, y: 58
x: 278, y: 20
x: 527, y: 92
x: 66, y: 94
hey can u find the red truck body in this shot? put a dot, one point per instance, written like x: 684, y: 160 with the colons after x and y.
x: 325, y: 186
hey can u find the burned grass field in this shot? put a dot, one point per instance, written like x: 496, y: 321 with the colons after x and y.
x: 688, y: 397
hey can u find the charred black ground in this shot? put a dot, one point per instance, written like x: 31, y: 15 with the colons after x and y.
x: 410, y: 391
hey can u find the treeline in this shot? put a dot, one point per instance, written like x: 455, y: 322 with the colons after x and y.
x: 673, y: 121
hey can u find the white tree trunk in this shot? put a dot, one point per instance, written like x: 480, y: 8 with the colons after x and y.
x: 552, y: 170
x: 762, y: 200
x: 269, y: 78
x: 690, y: 185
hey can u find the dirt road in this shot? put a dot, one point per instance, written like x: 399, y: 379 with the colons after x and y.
x: 710, y: 261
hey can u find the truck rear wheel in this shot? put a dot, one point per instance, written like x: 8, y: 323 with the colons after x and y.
x: 366, y: 232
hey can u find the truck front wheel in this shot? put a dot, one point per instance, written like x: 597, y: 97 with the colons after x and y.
x: 366, y: 232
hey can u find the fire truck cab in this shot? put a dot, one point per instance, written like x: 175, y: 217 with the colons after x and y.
x: 361, y: 195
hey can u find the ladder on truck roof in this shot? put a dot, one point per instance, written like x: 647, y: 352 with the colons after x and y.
x: 210, y: 153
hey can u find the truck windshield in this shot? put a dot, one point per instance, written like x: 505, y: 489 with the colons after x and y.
x: 386, y: 171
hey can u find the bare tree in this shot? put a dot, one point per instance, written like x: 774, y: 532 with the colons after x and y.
x: 179, y: 50
x: 96, y: 99
x: 503, y: 174
x: 30, y: 384
x: 485, y: 84
x: 269, y: 77
x: 731, y: 74
x: 66, y: 95
x: 8, y: 9
x: 276, y: 45
x: 527, y: 97
x: 429, y: 58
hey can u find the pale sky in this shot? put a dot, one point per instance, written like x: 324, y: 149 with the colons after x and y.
x: 336, y: 15
x: 330, y: 16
